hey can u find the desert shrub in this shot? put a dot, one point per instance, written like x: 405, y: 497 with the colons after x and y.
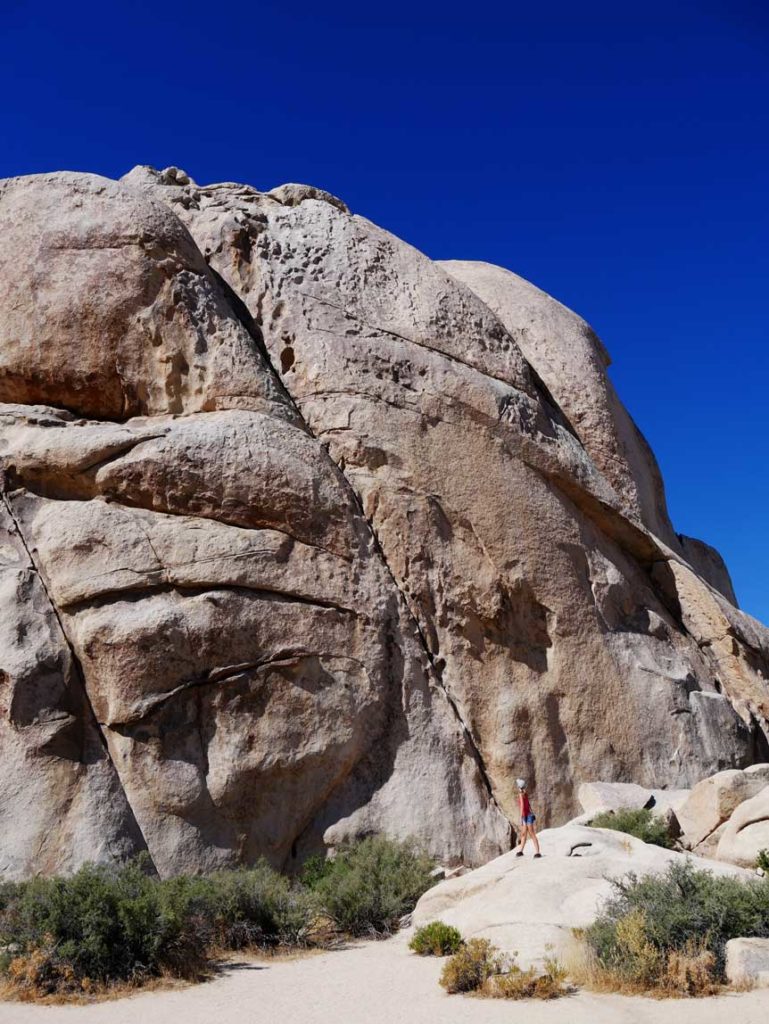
x: 436, y: 939
x: 314, y: 868
x: 691, y: 971
x: 516, y: 983
x: 94, y: 927
x: 668, y: 932
x: 762, y: 862
x: 639, y: 823
x: 103, y: 926
x: 471, y: 966
x: 246, y: 907
x: 368, y: 886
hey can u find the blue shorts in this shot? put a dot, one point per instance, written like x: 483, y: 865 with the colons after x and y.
x: 528, y: 819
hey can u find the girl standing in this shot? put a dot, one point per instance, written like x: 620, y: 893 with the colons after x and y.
x: 527, y: 819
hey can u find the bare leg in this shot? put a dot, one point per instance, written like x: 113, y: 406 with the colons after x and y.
x: 524, y: 837
x: 533, y: 833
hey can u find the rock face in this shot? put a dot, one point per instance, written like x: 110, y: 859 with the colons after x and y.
x: 746, y: 833
x: 305, y: 538
x: 747, y: 962
x: 596, y: 797
x: 713, y: 801
x: 531, y: 907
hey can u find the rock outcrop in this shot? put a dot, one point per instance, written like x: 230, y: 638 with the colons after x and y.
x: 746, y: 834
x: 747, y: 963
x: 306, y: 538
x: 530, y: 907
x: 713, y: 801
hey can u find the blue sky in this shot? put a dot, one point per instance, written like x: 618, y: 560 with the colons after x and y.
x: 616, y: 155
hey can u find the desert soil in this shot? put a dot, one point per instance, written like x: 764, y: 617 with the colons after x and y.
x: 373, y: 983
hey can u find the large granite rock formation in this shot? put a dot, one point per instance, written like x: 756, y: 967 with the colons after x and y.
x: 307, y: 536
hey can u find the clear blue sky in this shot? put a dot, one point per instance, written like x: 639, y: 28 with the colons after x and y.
x: 614, y: 154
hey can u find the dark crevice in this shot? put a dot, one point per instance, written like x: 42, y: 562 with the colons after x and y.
x: 132, y: 594
x: 214, y: 677
x: 78, y: 668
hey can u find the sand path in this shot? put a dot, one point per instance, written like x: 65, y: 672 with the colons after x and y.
x: 373, y: 983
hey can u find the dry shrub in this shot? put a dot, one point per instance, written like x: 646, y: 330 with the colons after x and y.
x: 691, y: 971
x: 471, y: 966
x: 481, y: 968
x: 519, y: 984
x: 666, y: 934
x: 42, y: 972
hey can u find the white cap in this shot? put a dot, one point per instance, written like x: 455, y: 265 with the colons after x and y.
x: 521, y: 783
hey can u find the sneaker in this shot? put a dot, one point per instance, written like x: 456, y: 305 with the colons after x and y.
x: 520, y: 853
x: 537, y: 855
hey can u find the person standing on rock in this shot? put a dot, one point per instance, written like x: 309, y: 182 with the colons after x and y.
x: 527, y: 819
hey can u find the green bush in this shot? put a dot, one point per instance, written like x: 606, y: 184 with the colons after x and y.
x: 246, y: 907
x: 105, y: 926
x: 436, y: 939
x: 471, y: 966
x: 762, y: 862
x: 639, y: 823
x: 99, y: 926
x: 367, y: 887
x: 677, y: 924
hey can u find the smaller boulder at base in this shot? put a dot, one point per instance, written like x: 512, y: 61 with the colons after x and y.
x: 747, y: 962
x: 713, y: 800
x: 747, y: 832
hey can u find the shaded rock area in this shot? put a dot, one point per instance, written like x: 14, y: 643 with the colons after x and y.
x: 309, y: 536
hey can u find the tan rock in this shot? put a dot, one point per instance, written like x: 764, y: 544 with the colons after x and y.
x: 516, y: 553
x: 746, y: 833
x: 713, y: 800
x: 105, y: 274
x: 323, y: 552
x: 595, y: 797
x: 61, y: 802
x: 530, y: 907
x: 747, y: 962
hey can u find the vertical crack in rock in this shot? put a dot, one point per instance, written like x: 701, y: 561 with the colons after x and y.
x: 78, y: 668
x: 240, y: 310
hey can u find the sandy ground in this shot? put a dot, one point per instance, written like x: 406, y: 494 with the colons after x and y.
x: 373, y: 983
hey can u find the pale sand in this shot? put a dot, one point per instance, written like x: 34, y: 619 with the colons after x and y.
x: 374, y: 983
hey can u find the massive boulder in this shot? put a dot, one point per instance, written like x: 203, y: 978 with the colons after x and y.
x: 531, y: 907
x: 319, y: 541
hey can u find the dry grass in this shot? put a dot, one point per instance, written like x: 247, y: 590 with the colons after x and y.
x: 529, y: 984
x: 687, y: 973
x: 13, y: 991
x: 480, y: 969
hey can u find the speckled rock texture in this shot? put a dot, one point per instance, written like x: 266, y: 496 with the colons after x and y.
x: 306, y: 536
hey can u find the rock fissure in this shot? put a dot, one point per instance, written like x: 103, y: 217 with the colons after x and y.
x: 78, y: 668
x: 133, y: 594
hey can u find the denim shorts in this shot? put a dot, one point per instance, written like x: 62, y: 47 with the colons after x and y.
x: 528, y: 819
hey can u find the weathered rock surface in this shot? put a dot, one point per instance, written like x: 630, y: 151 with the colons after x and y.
x: 530, y: 906
x: 713, y: 800
x: 595, y: 797
x: 747, y: 831
x: 747, y: 962
x: 312, y: 551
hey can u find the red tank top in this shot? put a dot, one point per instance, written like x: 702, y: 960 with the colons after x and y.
x: 523, y: 800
